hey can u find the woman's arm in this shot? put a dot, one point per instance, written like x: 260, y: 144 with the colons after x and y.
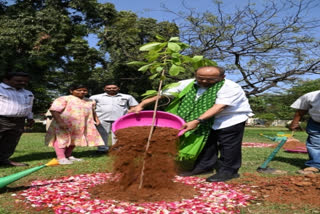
x: 57, y: 117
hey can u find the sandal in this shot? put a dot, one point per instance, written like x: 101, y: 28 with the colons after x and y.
x: 309, y: 170
x: 71, y: 158
x: 64, y: 161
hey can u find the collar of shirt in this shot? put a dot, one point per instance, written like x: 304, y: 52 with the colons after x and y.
x: 117, y: 95
x: 6, y: 86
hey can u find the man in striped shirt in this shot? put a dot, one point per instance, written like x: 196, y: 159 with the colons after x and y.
x: 15, y: 108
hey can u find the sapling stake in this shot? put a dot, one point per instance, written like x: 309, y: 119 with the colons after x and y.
x: 151, y: 131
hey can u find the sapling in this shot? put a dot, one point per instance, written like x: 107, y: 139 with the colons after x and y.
x: 164, y: 59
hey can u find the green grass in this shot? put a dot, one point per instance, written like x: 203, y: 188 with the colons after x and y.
x: 31, y: 149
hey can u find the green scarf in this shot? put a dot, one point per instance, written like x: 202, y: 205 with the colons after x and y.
x: 190, y: 109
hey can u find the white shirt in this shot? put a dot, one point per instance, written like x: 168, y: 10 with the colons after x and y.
x: 231, y: 94
x: 15, y: 102
x: 110, y: 108
x: 310, y: 102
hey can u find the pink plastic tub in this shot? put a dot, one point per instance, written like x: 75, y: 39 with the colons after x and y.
x: 144, y: 118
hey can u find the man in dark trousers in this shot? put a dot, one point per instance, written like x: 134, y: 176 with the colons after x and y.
x: 215, y: 110
x: 16, y: 107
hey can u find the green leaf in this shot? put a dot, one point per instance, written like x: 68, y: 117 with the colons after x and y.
x: 153, y: 76
x: 171, y: 85
x: 159, y: 69
x: 197, y: 58
x: 145, y: 67
x: 136, y: 63
x: 186, y: 59
x: 174, y: 47
x: 161, y: 38
x: 175, y: 70
x: 208, y: 62
x: 176, y: 55
x: 149, y: 93
x: 174, y: 39
x: 152, y: 56
x: 149, y: 46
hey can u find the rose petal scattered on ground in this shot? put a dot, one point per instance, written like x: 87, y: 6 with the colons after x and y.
x: 70, y: 195
x: 257, y: 145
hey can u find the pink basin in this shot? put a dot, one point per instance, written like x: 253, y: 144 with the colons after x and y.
x: 144, y: 118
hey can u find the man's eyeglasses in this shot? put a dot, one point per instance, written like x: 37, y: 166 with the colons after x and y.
x: 208, y: 79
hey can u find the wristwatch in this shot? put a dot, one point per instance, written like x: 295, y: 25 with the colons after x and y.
x: 200, y: 120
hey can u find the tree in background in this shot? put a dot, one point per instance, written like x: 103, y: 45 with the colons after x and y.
x: 121, y: 41
x: 46, y: 39
x: 262, y: 45
x: 277, y: 106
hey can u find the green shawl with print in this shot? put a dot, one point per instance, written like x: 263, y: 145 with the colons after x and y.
x: 187, y: 107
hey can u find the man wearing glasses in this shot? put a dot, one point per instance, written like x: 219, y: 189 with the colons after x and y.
x: 215, y: 110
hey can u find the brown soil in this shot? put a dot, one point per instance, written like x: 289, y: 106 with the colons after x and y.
x: 300, y: 190
x: 294, y: 144
x: 160, y: 167
x: 158, y: 185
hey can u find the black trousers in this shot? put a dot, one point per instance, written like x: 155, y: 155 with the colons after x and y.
x: 11, y: 130
x: 227, y: 142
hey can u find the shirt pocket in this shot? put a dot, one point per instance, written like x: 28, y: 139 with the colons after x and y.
x: 28, y: 99
x: 123, y: 101
x: 4, y: 98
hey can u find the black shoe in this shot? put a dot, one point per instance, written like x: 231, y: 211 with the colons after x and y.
x: 221, y: 177
x: 195, y: 172
x: 101, y: 152
x: 12, y: 163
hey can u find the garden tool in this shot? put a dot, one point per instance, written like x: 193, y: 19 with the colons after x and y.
x: 4, y: 181
x: 281, y: 138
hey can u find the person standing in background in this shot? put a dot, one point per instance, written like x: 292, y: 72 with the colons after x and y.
x: 110, y: 106
x: 16, y: 106
x: 73, y: 124
x: 309, y: 103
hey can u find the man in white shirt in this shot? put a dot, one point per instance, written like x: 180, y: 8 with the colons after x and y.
x: 227, y: 114
x: 309, y: 103
x: 16, y: 106
x: 110, y: 106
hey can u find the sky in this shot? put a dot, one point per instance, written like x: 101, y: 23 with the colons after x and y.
x: 153, y: 9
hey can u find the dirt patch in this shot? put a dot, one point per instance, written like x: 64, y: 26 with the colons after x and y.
x: 300, y: 190
x: 160, y: 167
x: 293, y: 144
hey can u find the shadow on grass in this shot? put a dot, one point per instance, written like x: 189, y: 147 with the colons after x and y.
x: 298, y: 162
x: 38, y: 156
x: 13, y: 189
x: 20, y: 188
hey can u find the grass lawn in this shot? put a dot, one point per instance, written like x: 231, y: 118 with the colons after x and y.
x: 32, y: 150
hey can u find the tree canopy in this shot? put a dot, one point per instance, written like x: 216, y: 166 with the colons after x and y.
x: 277, y: 106
x: 47, y: 38
x: 264, y: 45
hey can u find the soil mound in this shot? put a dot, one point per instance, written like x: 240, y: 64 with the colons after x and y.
x: 293, y: 144
x: 160, y: 167
x: 293, y: 190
